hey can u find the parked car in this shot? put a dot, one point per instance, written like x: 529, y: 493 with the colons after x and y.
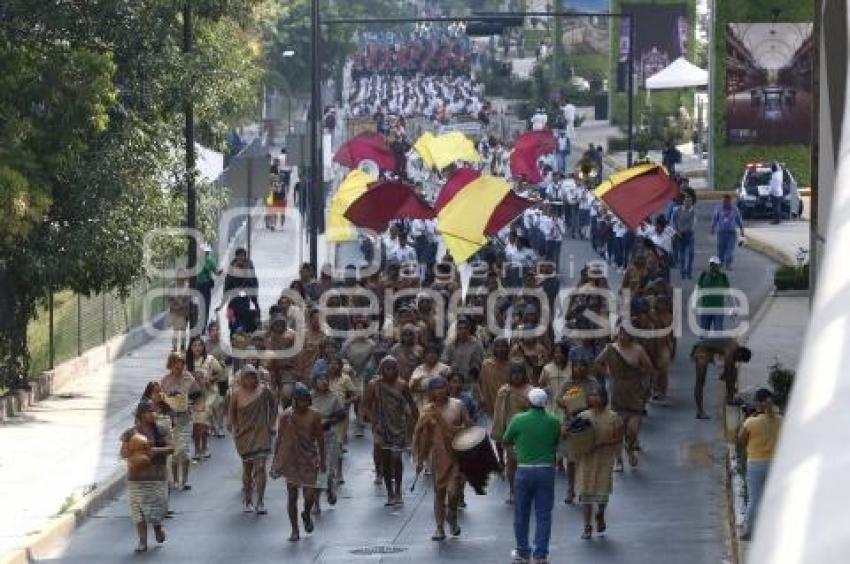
x: 754, y: 192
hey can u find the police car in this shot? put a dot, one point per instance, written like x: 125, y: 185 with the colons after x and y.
x: 754, y: 193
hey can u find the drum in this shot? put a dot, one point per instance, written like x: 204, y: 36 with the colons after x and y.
x: 476, y: 457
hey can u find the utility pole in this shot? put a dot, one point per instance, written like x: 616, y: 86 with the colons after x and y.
x: 191, y: 193
x: 630, y: 90
x: 315, y: 193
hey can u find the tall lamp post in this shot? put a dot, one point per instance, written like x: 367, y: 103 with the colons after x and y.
x: 286, y: 55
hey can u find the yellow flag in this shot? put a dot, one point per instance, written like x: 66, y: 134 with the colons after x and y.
x: 339, y: 229
x: 423, y: 147
x: 442, y: 151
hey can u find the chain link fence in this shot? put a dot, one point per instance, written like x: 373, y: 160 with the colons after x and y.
x: 69, y: 324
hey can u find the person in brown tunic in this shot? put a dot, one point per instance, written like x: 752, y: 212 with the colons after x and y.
x: 389, y: 406
x: 407, y: 352
x: 314, y: 342
x: 145, y: 449
x: 439, y: 422
x: 300, y: 456
x: 282, y: 371
x: 511, y: 399
x: 251, y: 417
x: 626, y: 364
x: 494, y: 374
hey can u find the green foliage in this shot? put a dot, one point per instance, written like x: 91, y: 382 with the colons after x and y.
x: 791, y: 277
x: 781, y: 381
x: 729, y: 160
x: 92, y: 96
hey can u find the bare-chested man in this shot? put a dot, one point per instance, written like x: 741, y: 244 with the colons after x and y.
x: 440, y: 420
x: 511, y: 399
x: 300, y: 456
x: 390, y: 406
x: 407, y: 352
x: 251, y: 417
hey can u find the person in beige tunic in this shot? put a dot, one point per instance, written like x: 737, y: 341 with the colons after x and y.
x: 439, y: 421
x: 177, y: 386
x: 300, y: 456
x: 511, y: 399
x: 494, y: 374
x: 626, y: 364
x: 252, y: 412
x: 594, y: 470
x: 314, y: 343
x: 430, y: 368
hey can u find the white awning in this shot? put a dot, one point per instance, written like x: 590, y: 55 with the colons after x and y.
x: 679, y: 74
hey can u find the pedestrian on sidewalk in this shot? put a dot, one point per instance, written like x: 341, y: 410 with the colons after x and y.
x: 594, y: 469
x: 251, y: 417
x: 300, y: 456
x: 684, y: 221
x: 145, y: 449
x: 725, y: 223
x: 534, y: 435
x: 759, y: 433
x: 177, y: 386
x: 711, y: 287
x: 776, y: 192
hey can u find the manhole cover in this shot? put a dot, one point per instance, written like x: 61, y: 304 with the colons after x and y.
x: 373, y: 550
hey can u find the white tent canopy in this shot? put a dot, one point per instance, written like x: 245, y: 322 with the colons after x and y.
x: 679, y: 74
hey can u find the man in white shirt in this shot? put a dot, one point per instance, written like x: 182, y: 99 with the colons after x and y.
x: 538, y: 120
x: 553, y: 228
x: 584, y: 207
x: 662, y: 236
x: 573, y: 197
x: 569, y: 111
x: 776, y: 192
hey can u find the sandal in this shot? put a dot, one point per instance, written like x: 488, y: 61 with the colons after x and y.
x: 601, y: 526
x: 140, y: 548
x: 571, y: 496
x: 439, y: 536
x: 588, y: 532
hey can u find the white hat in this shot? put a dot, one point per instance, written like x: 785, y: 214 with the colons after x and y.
x: 537, y: 397
x: 714, y: 260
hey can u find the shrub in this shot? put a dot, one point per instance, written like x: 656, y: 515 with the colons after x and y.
x: 791, y: 277
x: 781, y: 381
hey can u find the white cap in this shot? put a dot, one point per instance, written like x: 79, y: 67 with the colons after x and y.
x: 714, y: 260
x: 537, y: 397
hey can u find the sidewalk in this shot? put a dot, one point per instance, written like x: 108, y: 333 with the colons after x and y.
x: 65, y: 447
x: 781, y: 242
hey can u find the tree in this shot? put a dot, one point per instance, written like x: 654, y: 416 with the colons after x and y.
x: 91, y: 101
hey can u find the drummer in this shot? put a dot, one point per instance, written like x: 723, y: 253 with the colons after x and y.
x: 511, y: 400
x: 439, y: 421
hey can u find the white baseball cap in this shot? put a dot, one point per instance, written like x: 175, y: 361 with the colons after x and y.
x: 714, y: 260
x: 537, y: 397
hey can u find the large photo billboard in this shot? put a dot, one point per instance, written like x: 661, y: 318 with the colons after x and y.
x: 768, y: 83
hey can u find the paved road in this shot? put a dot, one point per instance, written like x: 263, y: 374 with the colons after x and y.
x: 669, y: 510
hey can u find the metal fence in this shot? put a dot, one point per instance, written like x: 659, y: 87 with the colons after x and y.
x: 68, y: 324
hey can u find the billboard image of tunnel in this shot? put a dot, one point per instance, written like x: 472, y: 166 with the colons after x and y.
x: 768, y: 83
x: 660, y: 36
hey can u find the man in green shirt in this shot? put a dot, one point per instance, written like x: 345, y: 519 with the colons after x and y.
x: 535, y: 435
x: 206, y: 282
x: 711, y: 281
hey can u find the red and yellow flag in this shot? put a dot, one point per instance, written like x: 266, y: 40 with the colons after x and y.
x: 637, y: 192
x: 470, y: 207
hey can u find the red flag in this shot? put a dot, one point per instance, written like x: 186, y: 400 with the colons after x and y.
x: 638, y: 192
x: 386, y: 200
x: 527, y: 149
x: 366, y: 146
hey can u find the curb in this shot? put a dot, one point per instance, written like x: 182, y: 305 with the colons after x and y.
x: 59, y: 529
x: 769, y: 250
